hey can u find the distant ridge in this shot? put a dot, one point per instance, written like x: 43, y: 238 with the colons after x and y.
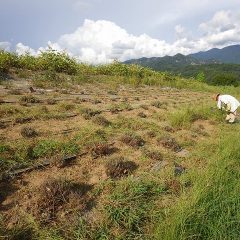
x: 230, y: 54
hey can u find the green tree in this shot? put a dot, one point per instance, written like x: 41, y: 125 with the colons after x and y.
x: 201, y: 77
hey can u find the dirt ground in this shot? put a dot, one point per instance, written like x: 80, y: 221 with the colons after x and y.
x: 146, y: 105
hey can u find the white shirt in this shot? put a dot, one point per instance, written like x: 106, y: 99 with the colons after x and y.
x: 228, y: 100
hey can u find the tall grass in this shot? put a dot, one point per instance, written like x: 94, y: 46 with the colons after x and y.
x: 211, y: 209
x: 183, y: 118
x: 52, y: 63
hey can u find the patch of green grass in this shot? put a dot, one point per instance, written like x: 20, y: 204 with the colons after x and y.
x: 50, y: 147
x: 184, y: 117
x: 129, y: 206
x: 210, y: 210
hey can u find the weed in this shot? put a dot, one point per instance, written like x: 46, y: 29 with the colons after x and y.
x: 153, y: 154
x: 142, y: 115
x: 157, y: 104
x: 118, y: 167
x: 144, y: 106
x: 28, y: 132
x: 66, y: 106
x: 29, y: 99
x: 54, y: 193
x: 100, y: 120
x: 51, y: 101
x: 15, y: 92
x: 88, y: 113
x: 130, y: 206
x: 132, y: 140
x: 101, y: 149
x: 170, y: 143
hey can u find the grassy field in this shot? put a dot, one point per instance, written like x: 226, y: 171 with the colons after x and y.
x: 152, y: 157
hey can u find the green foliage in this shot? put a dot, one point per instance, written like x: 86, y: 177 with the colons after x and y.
x: 200, y: 77
x: 225, y: 79
x: 50, y: 147
x: 129, y: 205
x: 7, y: 60
x: 57, y: 61
x: 185, y: 117
x: 211, y: 210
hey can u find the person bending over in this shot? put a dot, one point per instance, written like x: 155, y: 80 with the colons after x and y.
x: 228, y: 103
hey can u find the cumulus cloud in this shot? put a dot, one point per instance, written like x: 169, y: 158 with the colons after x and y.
x: 22, y: 49
x: 104, y: 41
x: 5, y: 46
x: 223, y: 29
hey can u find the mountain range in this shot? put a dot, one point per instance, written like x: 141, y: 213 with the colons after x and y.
x: 228, y: 55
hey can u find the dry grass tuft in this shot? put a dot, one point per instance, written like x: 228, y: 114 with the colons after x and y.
x: 170, y: 143
x: 29, y: 99
x: 154, y: 155
x: 100, y: 120
x: 101, y: 149
x: 53, y: 194
x: 142, y: 115
x: 28, y: 132
x: 118, y: 167
x: 51, y: 101
x: 88, y: 113
x: 132, y: 140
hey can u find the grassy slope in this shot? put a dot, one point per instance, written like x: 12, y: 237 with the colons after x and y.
x: 202, y: 203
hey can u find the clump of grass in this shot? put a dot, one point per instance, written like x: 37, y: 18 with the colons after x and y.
x: 170, y: 143
x: 131, y: 206
x: 185, y: 117
x: 157, y: 104
x: 51, y: 101
x: 100, y: 149
x: 142, y: 115
x: 151, y: 134
x: 23, y: 119
x: 54, y: 193
x: 100, y: 120
x: 88, y: 113
x: 132, y: 140
x: 153, y: 154
x: 144, y: 106
x: 115, y: 108
x: 51, y: 147
x: 168, y: 129
x: 66, y: 106
x: 28, y: 99
x: 10, y: 110
x: 173, y: 186
x: 28, y: 132
x: 15, y: 92
x: 118, y: 167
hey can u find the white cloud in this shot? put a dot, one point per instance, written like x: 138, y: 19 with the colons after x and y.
x: 223, y: 29
x: 22, y: 49
x: 103, y: 41
x: 5, y: 46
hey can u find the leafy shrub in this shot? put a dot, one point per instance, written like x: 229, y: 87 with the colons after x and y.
x: 57, y: 61
x: 7, y: 60
x: 225, y: 79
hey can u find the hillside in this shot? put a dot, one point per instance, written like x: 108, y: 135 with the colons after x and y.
x: 230, y: 54
x: 214, y: 64
x: 113, y: 152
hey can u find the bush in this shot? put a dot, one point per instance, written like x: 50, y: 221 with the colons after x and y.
x: 7, y: 60
x: 57, y: 61
x: 225, y: 79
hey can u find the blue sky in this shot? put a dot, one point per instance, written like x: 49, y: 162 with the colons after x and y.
x: 103, y: 30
